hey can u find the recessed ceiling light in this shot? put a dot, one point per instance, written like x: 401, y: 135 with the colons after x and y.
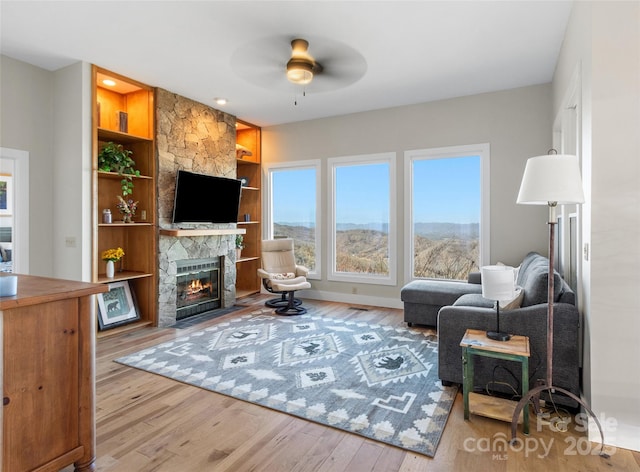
x: 220, y: 101
x: 109, y: 82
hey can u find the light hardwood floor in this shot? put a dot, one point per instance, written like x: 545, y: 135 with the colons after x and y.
x: 149, y: 423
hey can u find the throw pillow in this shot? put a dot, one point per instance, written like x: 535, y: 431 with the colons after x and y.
x: 516, y: 302
x: 283, y: 276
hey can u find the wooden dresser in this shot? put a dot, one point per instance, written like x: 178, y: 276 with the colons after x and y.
x: 48, y: 375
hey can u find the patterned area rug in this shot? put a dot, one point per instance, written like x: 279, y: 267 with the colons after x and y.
x: 377, y: 381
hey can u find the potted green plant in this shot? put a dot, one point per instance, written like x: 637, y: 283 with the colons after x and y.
x: 239, y: 245
x: 115, y: 158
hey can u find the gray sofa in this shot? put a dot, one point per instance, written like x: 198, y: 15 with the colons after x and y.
x: 457, y: 306
x: 472, y: 311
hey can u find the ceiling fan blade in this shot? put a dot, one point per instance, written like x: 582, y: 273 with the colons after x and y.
x: 269, y: 52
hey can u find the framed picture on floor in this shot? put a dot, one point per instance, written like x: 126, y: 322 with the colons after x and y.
x: 117, y: 306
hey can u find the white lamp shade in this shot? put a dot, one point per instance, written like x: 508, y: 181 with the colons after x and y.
x: 551, y: 178
x: 498, y: 282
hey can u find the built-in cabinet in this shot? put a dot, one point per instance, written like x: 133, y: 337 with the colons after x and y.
x: 248, y: 137
x: 124, y: 114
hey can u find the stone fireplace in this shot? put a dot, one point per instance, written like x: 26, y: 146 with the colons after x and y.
x: 197, y: 138
x: 198, y: 283
x: 191, y: 251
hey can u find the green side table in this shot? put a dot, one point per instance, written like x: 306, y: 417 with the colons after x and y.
x: 476, y: 343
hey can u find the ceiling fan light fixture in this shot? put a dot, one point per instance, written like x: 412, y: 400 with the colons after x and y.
x: 299, y: 47
x: 299, y: 71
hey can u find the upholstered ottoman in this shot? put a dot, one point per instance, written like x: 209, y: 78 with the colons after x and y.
x: 424, y: 298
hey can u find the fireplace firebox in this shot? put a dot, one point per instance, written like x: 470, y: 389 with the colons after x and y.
x: 198, y: 283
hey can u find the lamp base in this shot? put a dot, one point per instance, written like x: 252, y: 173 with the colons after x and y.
x: 534, y: 393
x: 496, y: 336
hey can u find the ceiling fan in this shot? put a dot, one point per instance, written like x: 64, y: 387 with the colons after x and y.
x: 302, y: 66
x: 280, y: 63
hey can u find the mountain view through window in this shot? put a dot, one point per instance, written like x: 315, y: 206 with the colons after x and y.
x: 446, y: 207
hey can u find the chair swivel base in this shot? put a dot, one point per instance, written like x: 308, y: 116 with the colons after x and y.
x: 281, y: 302
x: 291, y: 309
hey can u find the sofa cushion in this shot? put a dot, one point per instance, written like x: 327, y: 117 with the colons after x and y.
x: 475, y: 299
x: 436, y: 292
x: 533, y: 278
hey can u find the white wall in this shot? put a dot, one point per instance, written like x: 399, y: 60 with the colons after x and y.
x: 26, y: 123
x: 603, y: 44
x: 72, y: 172
x: 517, y: 124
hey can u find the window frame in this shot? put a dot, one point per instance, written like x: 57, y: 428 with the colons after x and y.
x: 390, y: 159
x: 268, y: 205
x: 484, y: 151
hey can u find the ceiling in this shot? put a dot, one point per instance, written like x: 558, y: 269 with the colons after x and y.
x: 406, y: 52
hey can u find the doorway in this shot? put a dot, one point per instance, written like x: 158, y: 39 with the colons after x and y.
x: 14, y: 211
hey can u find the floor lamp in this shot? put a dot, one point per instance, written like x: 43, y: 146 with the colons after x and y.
x: 552, y: 179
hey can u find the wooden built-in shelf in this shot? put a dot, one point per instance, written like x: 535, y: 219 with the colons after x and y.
x: 115, y: 175
x: 250, y: 168
x: 124, y: 275
x: 249, y: 258
x: 109, y: 134
x: 201, y: 232
x: 121, y: 223
x: 246, y: 160
x: 138, y: 239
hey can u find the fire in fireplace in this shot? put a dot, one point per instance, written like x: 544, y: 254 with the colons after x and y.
x: 198, y: 283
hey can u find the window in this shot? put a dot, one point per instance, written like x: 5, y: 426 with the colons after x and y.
x: 447, y: 195
x: 362, y: 224
x: 292, y: 189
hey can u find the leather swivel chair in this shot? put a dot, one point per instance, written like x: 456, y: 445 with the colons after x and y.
x: 281, y: 275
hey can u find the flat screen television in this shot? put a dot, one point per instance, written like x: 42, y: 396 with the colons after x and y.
x: 203, y: 198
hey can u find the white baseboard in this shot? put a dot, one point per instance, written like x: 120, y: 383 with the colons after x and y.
x: 350, y: 298
x: 625, y: 436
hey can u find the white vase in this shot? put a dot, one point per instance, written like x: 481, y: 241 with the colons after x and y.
x: 111, y: 270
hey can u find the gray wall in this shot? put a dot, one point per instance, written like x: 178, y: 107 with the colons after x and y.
x: 516, y: 123
x: 26, y: 123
